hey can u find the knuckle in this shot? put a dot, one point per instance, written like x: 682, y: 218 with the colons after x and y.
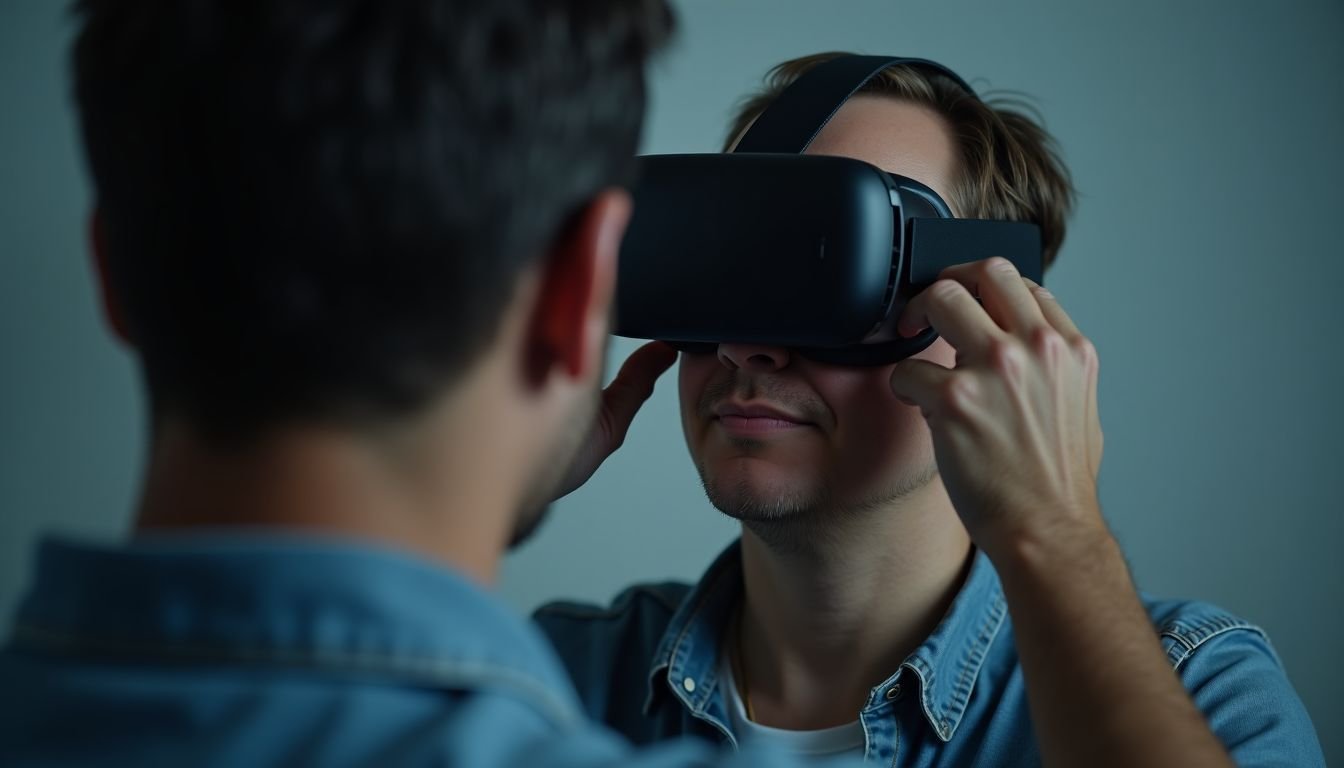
x: 958, y: 393
x: 983, y: 270
x: 622, y: 390
x: 997, y: 265
x: 1006, y: 356
x: 1048, y: 343
x: 944, y: 291
x: 1085, y: 350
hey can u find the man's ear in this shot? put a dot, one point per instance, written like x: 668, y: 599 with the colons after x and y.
x: 112, y: 311
x: 578, y: 283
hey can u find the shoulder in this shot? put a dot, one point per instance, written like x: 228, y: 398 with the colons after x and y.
x: 1185, y: 626
x: 609, y: 650
x: 634, y: 621
x: 1237, y: 681
x: 646, y: 601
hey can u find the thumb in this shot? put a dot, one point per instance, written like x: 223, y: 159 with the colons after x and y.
x: 918, y: 382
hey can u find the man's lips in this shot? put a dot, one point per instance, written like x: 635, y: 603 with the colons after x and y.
x: 756, y: 419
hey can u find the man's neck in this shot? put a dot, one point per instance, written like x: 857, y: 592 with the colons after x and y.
x: 825, y: 622
x: 424, y: 491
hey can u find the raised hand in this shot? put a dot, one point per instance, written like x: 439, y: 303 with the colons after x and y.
x: 621, y: 400
x: 1014, y: 423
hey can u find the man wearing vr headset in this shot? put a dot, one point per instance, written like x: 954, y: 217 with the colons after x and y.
x: 924, y: 576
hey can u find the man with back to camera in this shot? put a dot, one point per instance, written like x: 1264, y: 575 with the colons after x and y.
x: 924, y: 572
x: 365, y: 254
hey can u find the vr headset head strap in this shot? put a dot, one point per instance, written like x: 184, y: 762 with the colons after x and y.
x: 795, y: 118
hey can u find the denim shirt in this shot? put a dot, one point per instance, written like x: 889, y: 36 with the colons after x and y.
x: 648, y: 666
x: 232, y: 650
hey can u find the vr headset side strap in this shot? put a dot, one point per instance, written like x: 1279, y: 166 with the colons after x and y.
x: 936, y: 244
x: 795, y: 118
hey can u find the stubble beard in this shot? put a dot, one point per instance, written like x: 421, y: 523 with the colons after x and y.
x: 805, y: 521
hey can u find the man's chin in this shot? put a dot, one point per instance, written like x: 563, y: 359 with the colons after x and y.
x: 747, y: 500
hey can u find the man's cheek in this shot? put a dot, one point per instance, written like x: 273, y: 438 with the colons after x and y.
x: 692, y: 376
x: 694, y: 372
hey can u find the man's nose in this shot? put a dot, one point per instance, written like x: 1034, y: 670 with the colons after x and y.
x: 753, y: 357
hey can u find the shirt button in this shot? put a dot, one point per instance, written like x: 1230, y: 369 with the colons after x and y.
x: 894, y: 692
x: 689, y: 685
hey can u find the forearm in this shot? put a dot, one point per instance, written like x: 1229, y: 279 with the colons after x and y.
x: 1100, y: 689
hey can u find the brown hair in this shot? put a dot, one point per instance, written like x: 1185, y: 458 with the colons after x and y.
x: 1010, y: 167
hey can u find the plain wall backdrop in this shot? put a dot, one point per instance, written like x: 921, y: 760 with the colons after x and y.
x: 1206, y: 138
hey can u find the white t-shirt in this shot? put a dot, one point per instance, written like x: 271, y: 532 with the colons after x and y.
x: 847, y: 739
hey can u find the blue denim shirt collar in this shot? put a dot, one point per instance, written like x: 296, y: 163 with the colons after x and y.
x: 947, y: 663
x: 689, y: 650
x: 290, y: 601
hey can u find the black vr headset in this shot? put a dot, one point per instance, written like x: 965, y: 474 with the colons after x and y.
x: 769, y: 246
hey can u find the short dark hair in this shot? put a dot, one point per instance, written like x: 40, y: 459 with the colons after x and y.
x: 316, y: 210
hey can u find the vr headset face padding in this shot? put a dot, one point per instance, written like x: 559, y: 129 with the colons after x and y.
x: 815, y: 253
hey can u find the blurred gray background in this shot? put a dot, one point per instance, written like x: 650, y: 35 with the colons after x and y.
x: 1207, y: 139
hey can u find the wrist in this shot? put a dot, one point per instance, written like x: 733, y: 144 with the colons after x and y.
x: 1059, y: 549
